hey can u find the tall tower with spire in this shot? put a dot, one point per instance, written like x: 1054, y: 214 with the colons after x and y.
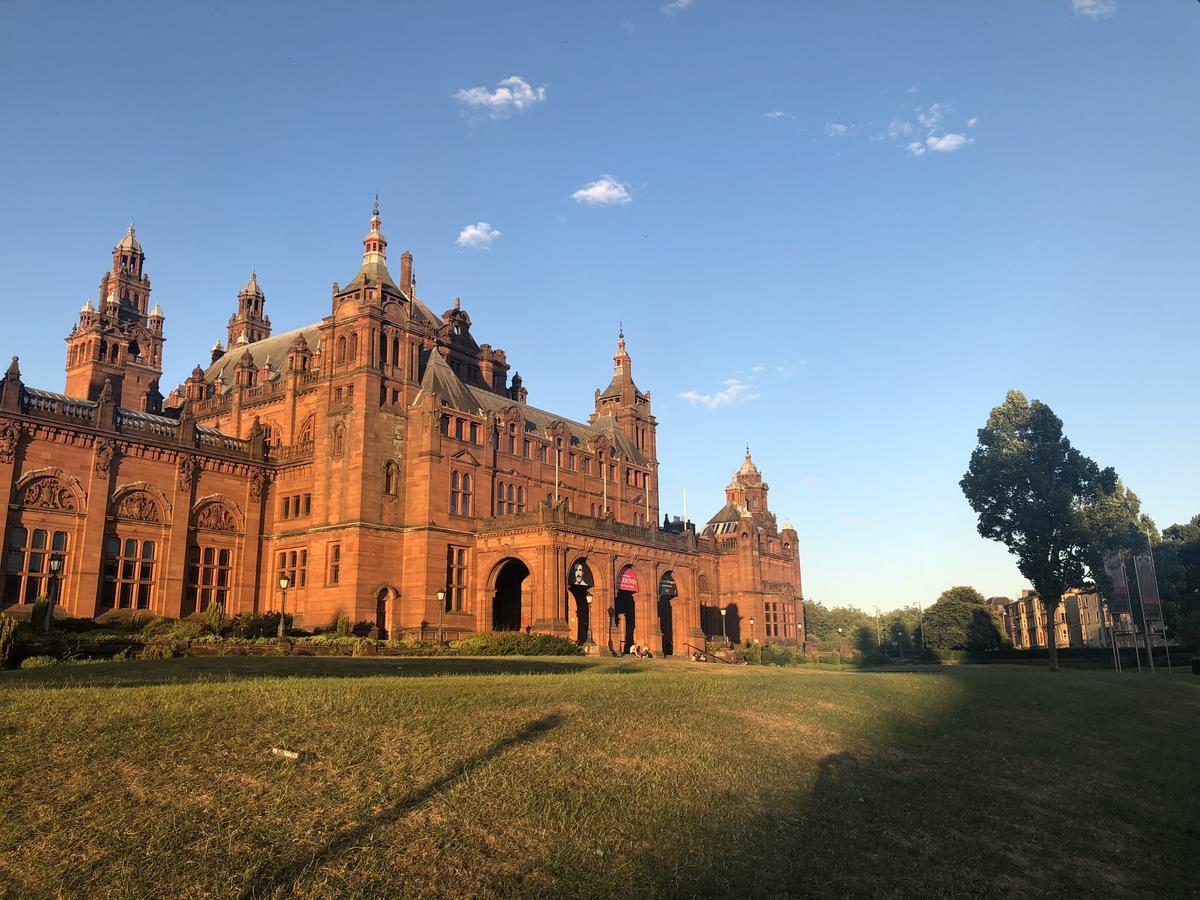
x: 249, y: 321
x: 629, y: 407
x: 121, y: 338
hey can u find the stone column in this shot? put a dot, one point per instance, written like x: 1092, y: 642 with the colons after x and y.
x: 172, y: 575
x: 89, y: 554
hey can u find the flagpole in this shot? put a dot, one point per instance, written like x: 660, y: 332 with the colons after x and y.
x: 1161, y: 620
x: 1145, y: 624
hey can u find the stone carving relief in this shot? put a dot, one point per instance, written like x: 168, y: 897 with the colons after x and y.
x: 139, y: 506
x: 258, y: 484
x: 215, y: 517
x: 187, y: 471
x: 105, y: 451
x: 10, y: 437
x: 49, y: 493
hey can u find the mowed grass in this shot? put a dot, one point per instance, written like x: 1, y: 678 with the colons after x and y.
x: 582, y: 778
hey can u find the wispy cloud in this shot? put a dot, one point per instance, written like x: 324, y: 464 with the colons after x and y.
x: 973, y: 121
x: 513, y: 94
x: 1095, y: 9
x: 777, y: 114
x: 931, y: 116
x: 607, y: 191
x: 839, y: 129
x: 734, y: 391
x: 478, y: 236
x: 947, y: 143
x: 675, y: 6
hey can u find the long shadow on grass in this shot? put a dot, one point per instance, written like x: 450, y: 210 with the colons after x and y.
x: 140, y: 673
x: 274, y: 876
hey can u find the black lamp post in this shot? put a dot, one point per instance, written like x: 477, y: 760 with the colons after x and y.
x: 284, y: 584
x: 587, y: 626
x: 724, y: 636
x: 56, y: 565
x: 441, y: 599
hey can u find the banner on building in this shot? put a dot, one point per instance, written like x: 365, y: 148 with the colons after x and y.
x: 666, y: 586
x: 628, y: 580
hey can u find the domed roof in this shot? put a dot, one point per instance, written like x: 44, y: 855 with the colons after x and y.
x: 748, y: 467
x: 252, y: 286
x: 88, y: 307
x: 130, y: 241
x: 156, y: 312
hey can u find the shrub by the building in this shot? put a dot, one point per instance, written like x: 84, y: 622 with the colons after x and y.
x: 515, y: 643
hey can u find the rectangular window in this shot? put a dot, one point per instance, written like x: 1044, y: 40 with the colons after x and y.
x: 456, y: 578
x: 284, y: 506
x: 308, y: 504
x: 337, y: 395
x: 294, y: 564
x: 543, y: 453
x: 526, y: 450
x: 587, y: 465
x: 444, y: 426
x: 127, y: 573
x: 27, y: 569
x: 571, y: 462
x: 474, y: 432
x: 209, y: 576
x: 335, y: 563
x: 458, y: 428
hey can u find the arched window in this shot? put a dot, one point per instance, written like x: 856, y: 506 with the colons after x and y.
x: 520, y: 500
x: 512, y: 500
x: 354, y: 347
x: 466, y: 495
x: 455, y: 493
x: 128, y: 573
x: 306, y: 430
x: 391, y: 478
x: 512, y: 437
x: 500, y: 498
x: 339, y: 354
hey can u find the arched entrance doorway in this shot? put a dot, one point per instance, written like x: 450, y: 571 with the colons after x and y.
x: 667, y: 591
x: 579, y: 591
x: 506, y: 604
x: 625, y: 609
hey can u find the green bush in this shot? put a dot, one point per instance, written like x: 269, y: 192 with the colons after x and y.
x: 38, y: 662
x: 158, y: 650
x: 77, y: 626
x: 515, y: 643
x: 214, y: 617
x: 37, y: 618
x: 343, y: 626
x: 778, y: 655
x: 8, y: 641
x: 257, y: 626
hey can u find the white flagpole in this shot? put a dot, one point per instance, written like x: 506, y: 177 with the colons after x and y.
x: 1161, y: 620
x: 1145, y: 624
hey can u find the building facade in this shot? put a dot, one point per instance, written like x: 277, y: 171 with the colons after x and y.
x: 1080, y: 620
x: 376, y: 457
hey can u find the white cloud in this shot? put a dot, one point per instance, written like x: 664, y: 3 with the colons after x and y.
x: 973, y: 121
x: 777, y: 114
x: 478, y: 236
x: 733, y: 392
x: 513, y: 94
x: 947, y: 143
x: 896, y: 130
x: 675, y: 6
x: 1095, y: 9
x: 914, y: 88
x: 838, y: 129
x: 916, y: 148
x: 929, y: 118
x: 608, y: 191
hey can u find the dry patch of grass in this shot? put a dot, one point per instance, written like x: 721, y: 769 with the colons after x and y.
x: 575, y: 778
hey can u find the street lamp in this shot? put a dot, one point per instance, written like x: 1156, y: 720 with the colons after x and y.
x: 587, y: 625
x: 441, y: 598
x: 724, y: 636
x: 284, y: 584
x: 56, y: 564
x: 752, y: 637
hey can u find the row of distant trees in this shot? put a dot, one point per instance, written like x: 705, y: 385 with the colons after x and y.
x: 960, y: 619
x: 1059, y: 514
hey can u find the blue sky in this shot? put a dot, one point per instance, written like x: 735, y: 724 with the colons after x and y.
x: 839, y: 232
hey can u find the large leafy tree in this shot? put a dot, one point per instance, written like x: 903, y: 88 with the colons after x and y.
x: 960, y: 619
x: 1029, y: 487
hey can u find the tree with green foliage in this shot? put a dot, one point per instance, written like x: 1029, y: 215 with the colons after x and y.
x: 1177, y: 558
x: 8, y: 640
x: 214, y: 617
x: 821, y: 623
x: 960, y: 619
x: 1028, y: 486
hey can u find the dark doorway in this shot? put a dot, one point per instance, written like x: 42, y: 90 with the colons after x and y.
x: 667, y: 591
x: 625, y: 612
x: 579, y: 586
x: 666, y: 623
x: 506, y: 606
x: 381, y: 603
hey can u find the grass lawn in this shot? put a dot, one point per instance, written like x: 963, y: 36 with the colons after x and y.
x: 583, y: 778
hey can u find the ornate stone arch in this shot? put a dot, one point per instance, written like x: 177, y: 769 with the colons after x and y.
x: 216, y: 512
x: 140, y: 501
x: 51, y: 488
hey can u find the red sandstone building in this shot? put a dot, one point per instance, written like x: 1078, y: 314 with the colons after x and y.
x: 376, y: 457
